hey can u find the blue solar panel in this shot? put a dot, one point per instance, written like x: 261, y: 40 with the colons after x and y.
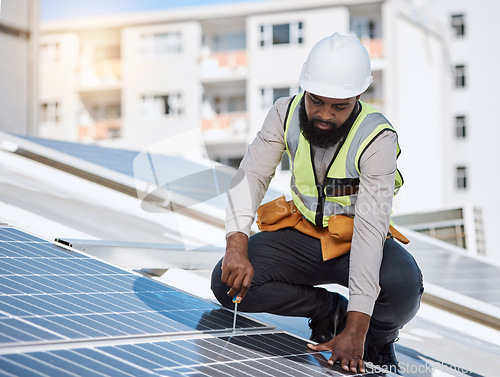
x: 63, y: 313
x: 50, y: 292
x: 275, y: 354
x: 131, y: 163
x: 195, y: 181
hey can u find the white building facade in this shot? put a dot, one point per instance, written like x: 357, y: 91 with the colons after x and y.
x: 134, y: 80
x: 18, y: 69
x: 471, y: 153
x: 139, y: 78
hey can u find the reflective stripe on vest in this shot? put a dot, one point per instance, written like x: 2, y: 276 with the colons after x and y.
x: 338, y: 193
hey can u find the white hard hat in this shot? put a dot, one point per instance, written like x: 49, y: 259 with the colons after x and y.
x: 338, y: 66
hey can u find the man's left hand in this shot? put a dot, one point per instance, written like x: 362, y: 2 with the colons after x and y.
x: 348, y: 346
x: 344, y: 350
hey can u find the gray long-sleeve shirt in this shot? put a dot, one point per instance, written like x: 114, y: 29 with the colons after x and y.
x: 373, y: 206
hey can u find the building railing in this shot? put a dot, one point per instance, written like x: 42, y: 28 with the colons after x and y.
x: 100, y: 129
x: 223, y: 63
x: 104, y: 72
x: 226, y: 124
x: 374, y: 46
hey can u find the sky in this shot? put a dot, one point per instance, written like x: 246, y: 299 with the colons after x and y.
x: 59, y: 9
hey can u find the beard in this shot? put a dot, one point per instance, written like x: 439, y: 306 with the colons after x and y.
x: 323, y: 138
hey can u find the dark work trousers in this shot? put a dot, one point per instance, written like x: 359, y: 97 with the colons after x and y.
x: 288, y: 264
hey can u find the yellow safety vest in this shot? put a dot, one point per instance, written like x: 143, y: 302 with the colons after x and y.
x: 337, y: 195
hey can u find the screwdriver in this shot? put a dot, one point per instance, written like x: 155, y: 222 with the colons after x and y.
x: 236, y: 302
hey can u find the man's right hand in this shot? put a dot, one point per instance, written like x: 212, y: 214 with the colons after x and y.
x: 237, y: 271
x: 347, y: 347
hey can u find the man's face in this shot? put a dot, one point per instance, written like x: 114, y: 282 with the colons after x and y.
x: 328, y: 113
x: 322, y: 119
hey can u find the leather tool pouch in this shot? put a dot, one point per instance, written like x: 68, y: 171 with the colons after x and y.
x: 277, y: 214
x: 341, y: 227
x: 335, y: 239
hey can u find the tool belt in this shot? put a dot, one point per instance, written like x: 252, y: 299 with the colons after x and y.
x: 335, y: 238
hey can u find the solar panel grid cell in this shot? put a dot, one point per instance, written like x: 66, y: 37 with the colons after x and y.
x: 168, y: 351
x: 58, y: 360
x: 20, y: 365
x: 267, y: 370
x: 104, y: 359
x: 238, y: 357
x: 17, y: 249
x: 90, y: 363
x: 12, y: 234
x: 37, y: 266
x: 14, y: 330
x: 190, y: 355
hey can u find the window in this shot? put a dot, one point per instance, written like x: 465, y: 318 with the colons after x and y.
x: 229, y: 104
x: 161, y: 44
x: 461, y: 176
x: 155, y: 106
x: 114, y: 133
x: 236, y: 104
x: 458, y: 25
x: 50, y: 53
x: 363, y: 27
x: 50, y: 113
x: 270, y: 95
x: 460, y: 127
x: 281, y: 34
x: 105, y: 111
x: 459, y: 76
x: 228, y: 42
x: 278, y: 34
x: 102, y: 53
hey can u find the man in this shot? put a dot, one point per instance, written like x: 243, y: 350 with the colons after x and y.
x: 343, y: 160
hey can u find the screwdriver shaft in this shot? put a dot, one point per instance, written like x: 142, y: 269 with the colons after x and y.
x: 235, y: 313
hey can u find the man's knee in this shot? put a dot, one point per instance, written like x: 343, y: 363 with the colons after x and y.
x: 400, y: 281
x: 398, y: 288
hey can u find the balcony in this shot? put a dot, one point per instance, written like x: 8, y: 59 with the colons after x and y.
x: 100, y: 129
x: 374, y: 46
x: 103, y: 74
x: 224, y: 127
x: 224, y: 65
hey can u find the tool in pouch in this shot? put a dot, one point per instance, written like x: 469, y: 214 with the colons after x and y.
x: 236, y: 302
